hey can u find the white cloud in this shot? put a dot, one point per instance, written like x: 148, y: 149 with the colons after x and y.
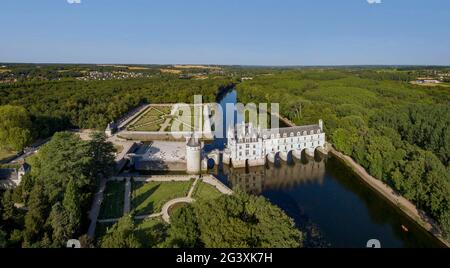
x: 374, y: 2
x: 74, y: 1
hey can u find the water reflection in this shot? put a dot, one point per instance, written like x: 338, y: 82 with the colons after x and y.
x: 256, y: 180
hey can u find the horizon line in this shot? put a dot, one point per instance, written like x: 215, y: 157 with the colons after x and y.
x: 242, y: 65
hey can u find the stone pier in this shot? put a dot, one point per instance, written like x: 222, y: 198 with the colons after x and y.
x: 256, y: 162
x: 297, y: 154
x: 309, y: 152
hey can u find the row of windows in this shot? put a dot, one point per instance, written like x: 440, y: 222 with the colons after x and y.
x: 292, y: 134
x: 272, y: 136
x: 278, y: 148
x: 285, y: 141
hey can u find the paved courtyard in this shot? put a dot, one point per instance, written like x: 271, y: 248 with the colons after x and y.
x: 163, y: 151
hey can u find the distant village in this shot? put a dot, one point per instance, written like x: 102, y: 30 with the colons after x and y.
x: 96, y: 75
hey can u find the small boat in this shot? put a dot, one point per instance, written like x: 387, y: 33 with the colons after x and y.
x: 405, y: 228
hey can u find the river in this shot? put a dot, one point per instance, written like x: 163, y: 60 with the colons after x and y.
x: 327, y: 201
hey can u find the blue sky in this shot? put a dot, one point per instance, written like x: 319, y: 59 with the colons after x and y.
x: 249, y: 32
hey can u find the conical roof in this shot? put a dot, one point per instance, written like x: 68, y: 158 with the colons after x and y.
x: 193, y: 142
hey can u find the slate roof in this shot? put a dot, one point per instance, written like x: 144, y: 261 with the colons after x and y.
x: 288, y: 130
x: 193, y: 142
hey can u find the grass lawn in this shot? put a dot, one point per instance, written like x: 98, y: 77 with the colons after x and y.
x: 204, y: 191
x: 5, y: 153
x: 112, y: 205
x: 148, y: 198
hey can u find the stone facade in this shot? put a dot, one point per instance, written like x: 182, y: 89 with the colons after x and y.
x: 193, y: 155
x: 250, y: 145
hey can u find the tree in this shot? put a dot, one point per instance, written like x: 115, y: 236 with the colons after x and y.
x: 245, y: 221
x: 61, y: 226
x: 103, y: 155
x: 3, y: 239
x: 183, y: 231
x: 121, y: 235
x: 71, y: 204
x: 66, y: 157
x: 37, y: 213
x: 8, y: 206
x: 15, y: 127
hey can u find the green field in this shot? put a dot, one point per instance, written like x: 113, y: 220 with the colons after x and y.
x: 148, y: 198
x: 112, y: 205
x: 204, y: 191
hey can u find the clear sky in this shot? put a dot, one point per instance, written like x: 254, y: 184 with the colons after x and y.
x: 248, y: 32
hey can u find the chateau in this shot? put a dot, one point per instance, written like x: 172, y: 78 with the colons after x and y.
x: 252, y: 145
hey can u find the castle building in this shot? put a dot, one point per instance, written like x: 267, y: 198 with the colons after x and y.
x: 193, y: 155
x: 251, y: 145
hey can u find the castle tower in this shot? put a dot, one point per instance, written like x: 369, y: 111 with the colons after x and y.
x: 193, y: 155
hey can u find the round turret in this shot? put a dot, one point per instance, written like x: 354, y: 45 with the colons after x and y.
x: 193, y: 155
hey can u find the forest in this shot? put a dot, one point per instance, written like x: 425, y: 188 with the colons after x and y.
x: 51, y: 203
x: 399, y: 132
x: 59, y: 105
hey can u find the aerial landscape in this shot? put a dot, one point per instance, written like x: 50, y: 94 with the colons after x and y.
x: 140, y: 134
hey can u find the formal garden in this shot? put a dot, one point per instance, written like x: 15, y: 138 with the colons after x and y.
x: 160, y: 118
x: 151, y: 119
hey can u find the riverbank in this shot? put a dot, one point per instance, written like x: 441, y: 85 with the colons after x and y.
x: 391, y: 195
x: 387, y: 192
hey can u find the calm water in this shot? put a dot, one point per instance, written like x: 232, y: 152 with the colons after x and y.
x: 327, y: 201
